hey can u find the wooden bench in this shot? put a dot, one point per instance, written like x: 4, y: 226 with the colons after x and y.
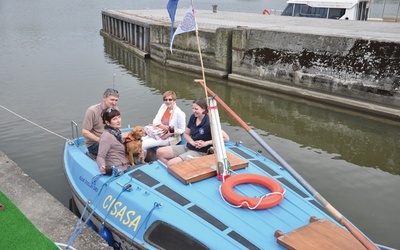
x: 202, y: 167
x: 319, y: 234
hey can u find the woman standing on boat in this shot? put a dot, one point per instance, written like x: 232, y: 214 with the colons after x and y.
x: 197, y: 134
x: 169, y: 123
x: 111, y: 145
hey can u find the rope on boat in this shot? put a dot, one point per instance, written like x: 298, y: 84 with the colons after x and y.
x: 81, y: 222
x: 246, y: 204
x: 80, y: 225
x: 60, y: 245
x: 156, y: 205
x: 37, y: 125
x: 124, y: 188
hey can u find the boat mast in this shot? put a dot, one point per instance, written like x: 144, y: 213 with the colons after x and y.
x: 222, y: 162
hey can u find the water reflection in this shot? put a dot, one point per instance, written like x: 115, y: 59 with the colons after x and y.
x: 355, y: 139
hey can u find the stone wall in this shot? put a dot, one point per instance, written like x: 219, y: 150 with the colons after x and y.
x: 215, y: 49
x: 352, y: 67
x: 360, y: 69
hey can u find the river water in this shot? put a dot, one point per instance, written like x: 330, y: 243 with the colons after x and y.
x: 54, y: 64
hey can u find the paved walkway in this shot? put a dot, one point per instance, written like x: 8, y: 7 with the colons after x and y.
x: 206, y: 19
x: 48, y: 215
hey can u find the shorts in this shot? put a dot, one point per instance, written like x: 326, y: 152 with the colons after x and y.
x: 184, y: 153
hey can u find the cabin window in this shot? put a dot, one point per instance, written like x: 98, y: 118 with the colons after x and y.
x: 288, y: 11
x: 308, y: 11
x: 304, y: 10
x: 336, y: 13
x: 164, y: 236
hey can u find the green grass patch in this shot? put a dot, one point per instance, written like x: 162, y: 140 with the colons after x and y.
x: 17, y: 232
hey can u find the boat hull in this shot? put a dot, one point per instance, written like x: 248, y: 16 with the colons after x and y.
x: 148, y: 208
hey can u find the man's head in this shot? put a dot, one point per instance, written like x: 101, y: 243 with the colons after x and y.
x: 110, y: 98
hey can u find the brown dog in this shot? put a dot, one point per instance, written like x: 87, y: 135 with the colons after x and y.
x: 133, y: 145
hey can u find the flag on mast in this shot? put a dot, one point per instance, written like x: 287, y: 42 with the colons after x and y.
x: 171, y: 8
x: 188, y: 24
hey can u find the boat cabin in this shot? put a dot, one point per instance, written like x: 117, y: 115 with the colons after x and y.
x: 331, y: 9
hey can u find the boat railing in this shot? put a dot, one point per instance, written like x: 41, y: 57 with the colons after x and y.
x: 74, y: 129
x: 75, y: 133
x: 276, y: 12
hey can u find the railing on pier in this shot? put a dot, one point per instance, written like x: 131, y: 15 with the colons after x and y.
x: 135, y: 34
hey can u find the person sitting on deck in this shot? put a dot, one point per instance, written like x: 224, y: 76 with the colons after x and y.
x: 92, y: 126
x: 168, y: 125
x: 197, y: 135
x: 111, y: 145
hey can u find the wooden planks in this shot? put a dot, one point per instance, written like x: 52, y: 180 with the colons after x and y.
x: 319, y: 234
x: 202, y: 167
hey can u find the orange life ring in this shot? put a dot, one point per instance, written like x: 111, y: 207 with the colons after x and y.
x: 266, y: 11
x: 267, y: 201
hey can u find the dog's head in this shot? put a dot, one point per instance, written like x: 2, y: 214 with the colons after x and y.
x: 137, y: 133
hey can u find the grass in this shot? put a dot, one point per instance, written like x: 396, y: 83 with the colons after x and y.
x: 17, y: 232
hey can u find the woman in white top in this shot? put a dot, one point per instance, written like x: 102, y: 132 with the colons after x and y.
x: 169, y: 124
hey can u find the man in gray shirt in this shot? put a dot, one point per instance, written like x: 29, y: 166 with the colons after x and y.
x: 92, y: 126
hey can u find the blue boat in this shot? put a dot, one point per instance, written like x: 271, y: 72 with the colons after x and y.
x: 261, y: 205
x: 233, y: 199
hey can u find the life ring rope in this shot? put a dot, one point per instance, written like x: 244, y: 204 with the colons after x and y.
x: 236, y: 200
x: 246, y: 203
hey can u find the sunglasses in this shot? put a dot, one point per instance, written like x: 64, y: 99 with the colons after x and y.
x: 110, y: 90
x: 109, y: 110
x: 168, y: 99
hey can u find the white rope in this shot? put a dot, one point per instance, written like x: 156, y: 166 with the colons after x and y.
x: 37, y: 125
x: 64, y: 246
x: 246, y: 203
x: 59, y: 245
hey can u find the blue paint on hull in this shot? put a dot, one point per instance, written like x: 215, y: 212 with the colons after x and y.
x: 197, y: 209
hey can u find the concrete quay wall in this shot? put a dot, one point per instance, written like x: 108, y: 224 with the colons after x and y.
x: 347, y: 66
x: 48, y: 215
x: 215, y: 48
x: 352, y: 59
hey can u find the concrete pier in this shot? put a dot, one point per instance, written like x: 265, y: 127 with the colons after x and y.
x: 43, y: 210
x: 357, y: 60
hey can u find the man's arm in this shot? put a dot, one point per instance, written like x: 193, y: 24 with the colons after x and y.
x: 87, y: 134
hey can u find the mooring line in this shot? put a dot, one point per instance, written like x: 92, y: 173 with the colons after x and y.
x: 37, y: 125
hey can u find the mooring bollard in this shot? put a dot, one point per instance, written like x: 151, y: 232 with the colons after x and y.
x: 215, y: 8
